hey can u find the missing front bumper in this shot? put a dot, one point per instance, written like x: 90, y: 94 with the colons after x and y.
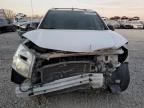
x: 94, y: 80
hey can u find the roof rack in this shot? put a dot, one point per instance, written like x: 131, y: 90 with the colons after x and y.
x: 73, y: 9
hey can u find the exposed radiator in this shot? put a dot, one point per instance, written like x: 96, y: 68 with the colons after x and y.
x: 65, y: 69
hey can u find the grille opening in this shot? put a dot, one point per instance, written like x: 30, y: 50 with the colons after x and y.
x: 90, y: 58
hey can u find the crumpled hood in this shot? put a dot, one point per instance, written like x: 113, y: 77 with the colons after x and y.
x: 76, y: 40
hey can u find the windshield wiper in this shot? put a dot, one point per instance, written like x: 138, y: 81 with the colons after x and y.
x: 51, y: 28
x: 42, y: 27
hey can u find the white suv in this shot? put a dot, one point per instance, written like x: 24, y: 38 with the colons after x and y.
x: 72, y: 49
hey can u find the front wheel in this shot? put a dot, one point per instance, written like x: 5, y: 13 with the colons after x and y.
x: 120, y: 79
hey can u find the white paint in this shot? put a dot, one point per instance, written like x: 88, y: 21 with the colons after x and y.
x: 76, y: 40
x: 137, y: 25
x: 62, y: 84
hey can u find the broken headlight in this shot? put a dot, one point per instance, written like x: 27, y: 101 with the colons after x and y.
x: 23, y: 61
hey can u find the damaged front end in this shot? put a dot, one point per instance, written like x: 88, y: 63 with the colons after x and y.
x: 37, y: 70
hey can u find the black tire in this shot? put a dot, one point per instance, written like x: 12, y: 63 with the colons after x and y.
x: 1, y: 30
x: 123, y: 75
x: 14, y: 29
x: 125, y: 78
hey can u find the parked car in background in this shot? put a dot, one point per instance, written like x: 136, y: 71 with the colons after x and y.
x: 136, y: 24
x: 136, y: 18
x: 142, y: 22
x: 5, y: 26
x: 125, y: 24
x: 27, y: 26
x: 104, y: 18
x: 72, y: 49
x: 20, y: 21
x: 113, y: 23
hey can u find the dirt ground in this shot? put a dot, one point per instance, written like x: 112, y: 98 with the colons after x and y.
x: 133, y: 97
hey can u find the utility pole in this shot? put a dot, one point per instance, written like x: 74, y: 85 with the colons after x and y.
x: 31, y: 11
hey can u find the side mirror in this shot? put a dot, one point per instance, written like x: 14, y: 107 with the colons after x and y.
x: 111, y: 27
x: 32, y: 27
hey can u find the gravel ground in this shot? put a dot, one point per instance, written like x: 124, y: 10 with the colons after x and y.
x: 133, y: 97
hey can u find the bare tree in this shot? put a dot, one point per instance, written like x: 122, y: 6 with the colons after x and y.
x: 9, y: 15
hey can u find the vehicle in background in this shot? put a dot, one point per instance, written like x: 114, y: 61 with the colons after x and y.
x: 142, y: 22
x: 113, y: 23
x: 136, y: 18
x: 124, y: 18
x: 20, y: 22
x: 136, y: 25
x: 6, y: 27
x: 125, y: 24
x: 116, y: 18
x: 27, y: 26
x: 72, y: 49
x: 104, y: 18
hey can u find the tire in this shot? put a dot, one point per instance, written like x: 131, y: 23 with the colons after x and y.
x: 125, y: 78
x: 122, y: 74
x: 1, y: 30
x: 14, y: 29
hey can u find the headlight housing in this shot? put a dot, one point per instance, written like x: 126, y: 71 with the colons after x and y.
x: 23, y: 61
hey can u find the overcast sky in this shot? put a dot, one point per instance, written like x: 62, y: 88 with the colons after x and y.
x: 103, y: 7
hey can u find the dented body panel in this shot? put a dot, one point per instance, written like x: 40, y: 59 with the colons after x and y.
x: 53, y: 60
x: 76, y: 40
x: 95, y: 80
